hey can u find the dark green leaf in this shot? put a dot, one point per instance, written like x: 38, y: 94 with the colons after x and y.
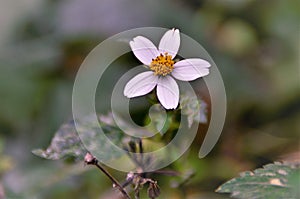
x: 272, y: 181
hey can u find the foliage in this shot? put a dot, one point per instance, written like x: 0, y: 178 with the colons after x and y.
x: 44, y: 42
x: 273, y: 181
x: 193, y: 108
x: 67, y: 142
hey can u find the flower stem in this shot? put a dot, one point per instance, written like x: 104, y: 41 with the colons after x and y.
x: 113, y: 180
x: 89, y: 159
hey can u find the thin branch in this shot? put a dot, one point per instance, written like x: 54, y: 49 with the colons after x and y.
x: 127, y: 182
x: 166, y: 172
x: 91, y: 160
x: 141, y: 148
x: 133, y: 157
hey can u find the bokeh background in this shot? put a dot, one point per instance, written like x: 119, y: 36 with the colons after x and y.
x: 255, y: 44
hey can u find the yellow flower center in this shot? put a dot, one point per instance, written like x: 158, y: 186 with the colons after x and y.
x: 162, y: 65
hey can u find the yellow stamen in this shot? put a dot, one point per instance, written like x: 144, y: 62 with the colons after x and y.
x: 162, y: 64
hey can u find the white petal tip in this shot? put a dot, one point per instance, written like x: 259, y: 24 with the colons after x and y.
x: 131, y: 43
x: 207, y: 64
x: 170, y: 108
x: 126, y: 95
x: 170, y: 42
x: 176, y: 30
x: 143, y: 49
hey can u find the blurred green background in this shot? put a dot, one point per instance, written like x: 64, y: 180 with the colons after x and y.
x: 255, y: 44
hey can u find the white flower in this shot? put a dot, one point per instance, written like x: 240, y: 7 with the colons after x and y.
x: 163, y: 69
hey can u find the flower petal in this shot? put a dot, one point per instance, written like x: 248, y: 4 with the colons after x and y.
x: 190, y: 69
x: 170, y: 42
x: 168, y: 92
x: 143, y: 49
x: 141, y: 84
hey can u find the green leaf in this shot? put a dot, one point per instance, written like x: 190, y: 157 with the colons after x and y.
x: 67, y: 143
x: 193, y: 108
x: 272, y: 181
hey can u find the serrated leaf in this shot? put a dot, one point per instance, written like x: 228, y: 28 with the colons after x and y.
x: 195, y: 109
x: 272, y: 181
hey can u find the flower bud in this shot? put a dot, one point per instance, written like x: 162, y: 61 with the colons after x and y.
x: 89, y: 158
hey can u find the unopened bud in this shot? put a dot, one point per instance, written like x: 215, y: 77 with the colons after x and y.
x: 130, y: 176
x: 89, y: 158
